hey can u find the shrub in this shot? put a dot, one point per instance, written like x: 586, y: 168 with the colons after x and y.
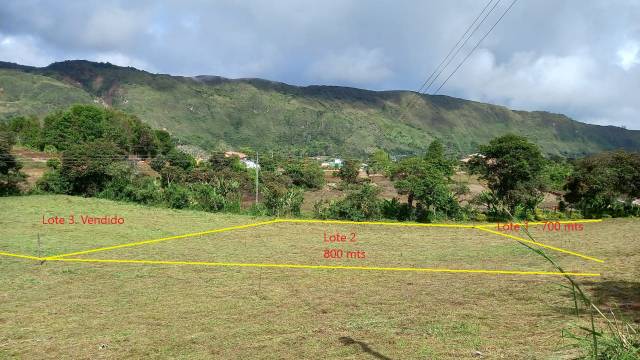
x: 207, y: 198
x: 349, y: 171
x: 125, y: 186
x: 53, y: 182
x: 27, y: 130
x: 307, y: 174
x: 286, y: 203
x: 358, y: 205
x: 480, y: 217
x: 394, y: 209
x: 176, y: 196
x: 158, y: 162
x: 87, y: 168
x: 180, y: 159
x: 10, y: 175
x: 50, y: 149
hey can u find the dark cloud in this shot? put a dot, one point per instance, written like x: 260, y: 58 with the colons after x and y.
x: 574, y: 57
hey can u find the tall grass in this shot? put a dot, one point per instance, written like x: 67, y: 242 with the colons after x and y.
x: 620, y: 340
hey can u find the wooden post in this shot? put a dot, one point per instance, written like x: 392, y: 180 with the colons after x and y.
x: 257, y: 174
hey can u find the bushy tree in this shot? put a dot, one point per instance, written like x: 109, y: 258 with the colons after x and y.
x: 85, y: 166
x: 435, y: 157
x: 425, y: 180
x: 172, y: 175
x: 307, y: 174
x: 358, y: 205
x: 208, y: 198
x: 349, y: 171
x: 27, y: 130
x: 10, y: 175
x: 280, y: 196
x: 164, y: 141
x: 53, y: 181
x: 605, y: 183
x: 79, y: 124
x: 180, y: 159
x: 176, y: 196
x: 88, y: 123
x: 380, y: 162
x: 555, y: 173
x: 512, y: 167
x: 145, y: 143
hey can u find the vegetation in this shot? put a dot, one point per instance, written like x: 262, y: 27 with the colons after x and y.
x: 103, y: 153
x: 606, y: 183
x: 349, y: 171
x: 10, y: 175
x: 307, y: 174
x: 218, y: 114
x: 425, y: 180
x: 358, y: 205
x: 380, y: 162
x: 512, y: 167
x: 399, y: 320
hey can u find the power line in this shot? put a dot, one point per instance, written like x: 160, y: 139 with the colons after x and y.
x: 476, y: 46
x: 454, y: 47
x: 448, y: 59
x: 463, y: 44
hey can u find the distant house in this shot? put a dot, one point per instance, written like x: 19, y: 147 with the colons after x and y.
x: 471, y: 156
x: 250, y: 164
x: 235, y: 153
x: 332, y: 164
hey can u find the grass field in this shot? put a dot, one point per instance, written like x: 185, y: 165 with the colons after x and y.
x: 123, y: 310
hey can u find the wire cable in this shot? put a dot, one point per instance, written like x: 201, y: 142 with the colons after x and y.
x: 454, y: 47
x: 462, y: 46
x: 476, y: 46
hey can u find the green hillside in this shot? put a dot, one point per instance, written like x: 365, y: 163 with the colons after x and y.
x: 215, y: 112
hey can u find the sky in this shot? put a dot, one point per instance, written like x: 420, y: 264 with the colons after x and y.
x: 580, y: 58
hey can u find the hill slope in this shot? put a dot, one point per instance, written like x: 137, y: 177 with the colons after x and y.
x: 215, y: 112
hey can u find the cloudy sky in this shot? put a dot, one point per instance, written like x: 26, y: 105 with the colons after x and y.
x: 580, y: 58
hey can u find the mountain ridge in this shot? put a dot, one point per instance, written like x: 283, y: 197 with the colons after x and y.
x: 215, y: 112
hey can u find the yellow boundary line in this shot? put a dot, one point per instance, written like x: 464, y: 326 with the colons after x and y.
x: 298, y: 266
x: 20, y: 256
x: 153, y: 241
x: 480, y: 227
x: 541, y: 245
x: 61, y: 257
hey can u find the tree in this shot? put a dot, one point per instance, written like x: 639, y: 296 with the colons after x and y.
x: 604, y: 183
x: 307, y: 174
x: 10, y: 175
x: 280, y: 197
x: 358, y: 205
x: 86, y: 166
x: 555, y: 173
x: 349, y: 171
x: 78, y: 124
x: 512, y: 167
x: 165, y: 143
x: 180, y: 159
x: 27, y: 130
x: 424, y: 181
x: 435, y: 156
x: 144, y: 142
x: 88, y: 123
x: 380, y: 162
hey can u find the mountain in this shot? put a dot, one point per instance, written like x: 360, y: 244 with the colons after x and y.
x: 215, y: 112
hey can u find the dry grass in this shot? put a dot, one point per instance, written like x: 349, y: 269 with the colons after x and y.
x: 88, y: 310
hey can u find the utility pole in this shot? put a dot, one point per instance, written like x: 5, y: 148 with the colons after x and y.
x: 257, y: 167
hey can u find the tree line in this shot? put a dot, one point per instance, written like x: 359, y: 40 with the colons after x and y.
x: 99, y: 152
